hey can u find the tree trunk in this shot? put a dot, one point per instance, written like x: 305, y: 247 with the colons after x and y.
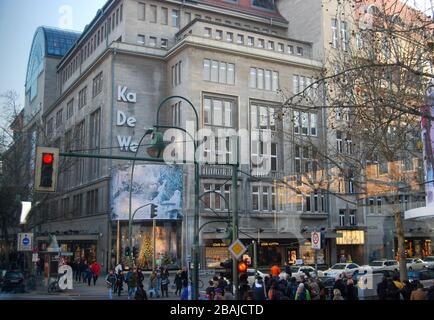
x: 400, y: 248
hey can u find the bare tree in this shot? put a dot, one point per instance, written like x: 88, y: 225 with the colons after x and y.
x: 372, y: 95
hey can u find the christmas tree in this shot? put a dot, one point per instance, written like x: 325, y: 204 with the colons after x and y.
x: 145, y: 254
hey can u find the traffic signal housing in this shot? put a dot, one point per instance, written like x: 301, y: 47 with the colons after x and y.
x: 242, y: 267
x: 46, y: 169
x: 153, y: 210
x: 127, y: 251
x: 135, y: 252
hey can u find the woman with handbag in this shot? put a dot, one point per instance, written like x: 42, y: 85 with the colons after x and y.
x: 165, y: 282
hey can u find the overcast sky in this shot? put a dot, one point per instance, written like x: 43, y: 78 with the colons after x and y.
x: 20, y: 18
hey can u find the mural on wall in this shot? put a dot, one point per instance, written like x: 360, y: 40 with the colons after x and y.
x: 160, y: 185
x: 428, y: 136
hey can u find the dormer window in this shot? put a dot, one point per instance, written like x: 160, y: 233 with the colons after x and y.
x: 266, y: 4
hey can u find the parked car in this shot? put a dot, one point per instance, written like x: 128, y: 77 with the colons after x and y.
x: 298, y: 272
x: 425, y: 276
x: 429, y: 260
x: 415, y: 264
x: 391, y: 265
x: 13, y: 281
x: 350, y: 269
x: 251, y: 276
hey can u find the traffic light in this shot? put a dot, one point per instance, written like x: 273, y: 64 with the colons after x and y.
x: 153, y: 211
x: 135, y: 251
x: 242, y: 267
x: 46, y: 169
x: 127, y: 251
x: 323, y: 234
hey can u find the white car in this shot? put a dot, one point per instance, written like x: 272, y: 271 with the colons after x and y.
x: 391, y: 265
x: 298, y: 272
x: 349, y: 268
x: 415, y: 264
x: 251, y: 276
x: 429, y: 261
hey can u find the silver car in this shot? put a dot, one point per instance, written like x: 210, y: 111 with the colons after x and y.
x: 415, y: 264
x: 391, y: 265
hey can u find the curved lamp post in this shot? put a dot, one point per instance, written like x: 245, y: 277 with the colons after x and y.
x: 195, y: 274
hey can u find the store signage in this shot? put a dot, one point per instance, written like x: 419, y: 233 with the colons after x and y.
x: 125, y: 96
x: 219, y: 245
x: 351, y: 237
x: 269, y: 244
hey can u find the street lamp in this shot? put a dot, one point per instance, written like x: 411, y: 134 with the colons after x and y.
x: 195, y: 275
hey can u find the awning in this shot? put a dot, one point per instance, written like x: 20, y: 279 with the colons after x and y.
x: 77, y: 237
x: 419, y: 213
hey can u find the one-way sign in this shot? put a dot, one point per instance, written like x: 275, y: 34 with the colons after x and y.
x: 25, y: 241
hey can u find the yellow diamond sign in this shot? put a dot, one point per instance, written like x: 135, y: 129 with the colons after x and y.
x: 237, y: 249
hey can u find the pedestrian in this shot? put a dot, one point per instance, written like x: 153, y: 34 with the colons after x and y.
x: 337, y: 295
x: 392, y: 291
x: 291, y: 288
x: 83, y: 270
x: 96, y: 271
x: 131, y: 279
x: 352, y: 291
x: 340, y: 284
x: 140, y: 277
x: 153, y: 285
x: 430, y: 294
x: 218, y: 294
x: 244, y: 287
x: 118, y: 268
x: 111, y: 283
x: 222, y: 283
x: 158, y: 286
x: 184, y: 294
x: 140, y: 293
x: 259, y: 290
x: 288, y: 270
x: 119, y: 282
x: 302, y: 293
x: 314, y: 289
x: 210, y: 290
x: 382, y: 289
x: 406, y: 290
x: 419, y: 293
x: 275, y: 272
x: 87, y: 275
x: 178, y: 283
x: 165, y: 283
x: 343, y: 259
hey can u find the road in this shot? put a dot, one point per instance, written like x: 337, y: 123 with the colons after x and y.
x: 82, y: 291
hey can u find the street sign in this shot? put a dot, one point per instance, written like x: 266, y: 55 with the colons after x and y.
x: 316, y: 240
x: 25, y: 241
x: 237, y: 249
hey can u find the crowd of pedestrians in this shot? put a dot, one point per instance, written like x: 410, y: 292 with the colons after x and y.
x: 394, y: 289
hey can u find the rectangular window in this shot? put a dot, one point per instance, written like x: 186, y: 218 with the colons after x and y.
x: 344, y: 35
x: 260, y: 79
x: 290, y: 49
x: 187, y: 17
x: 295, y: 84
x: 164, y: 16
x: 153, y: 14
x: 219, y: 34
x: 299, y: 51
x: 208, y: 32
x: 140, y: 39
x: 219, y: 112
x: 94, y: 143
x: 296, y: 122
x: 59, y: 118
x: 270, y: 45
x: 141, y: 11
x: 275, y: 83
x: 164, y: 43
x: 206, y: 69
x: 250, y: 41
x: 70, y: 109
x: 175, y: 18
x: 265, y: 199
x: 97, y: 85
x: 268, y: 80
x: 280, y: 47
x: 117, y: 16
x: 231, y: 73
x: 253, y: 78
x: 152, y: 41
x: 342, y: 217
x: 82, y: 98
x: 261, y: 43
x: 334, y: 33
x: 339, y: 143
x: 255, y: 198
x: 176, y: 114
x: 313, y: 124
x: 304, y: 123
x: 229, y: 37
x: 222, y: 72
x: 240, y: 39
x: 214, y: 71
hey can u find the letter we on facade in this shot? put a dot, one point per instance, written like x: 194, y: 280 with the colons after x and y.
x: 124, y: 120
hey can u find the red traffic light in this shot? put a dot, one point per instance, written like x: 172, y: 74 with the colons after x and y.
x: 47, y: 158
x: 242, y: 267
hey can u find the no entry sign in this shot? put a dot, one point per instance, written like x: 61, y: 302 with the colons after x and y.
x: 316, y: 240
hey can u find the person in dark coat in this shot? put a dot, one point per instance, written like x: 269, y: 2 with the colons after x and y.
x: 339, y: 284
x: 352, y: 291
x: 119, y: 282
x: 165, y: 282
x: 244, y: 287
x: 382, y: 289
x: 406, y: 290
x: 178, y: 283
x: 291, y: 288
x: 259, y: 290
x: 140, y: 293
